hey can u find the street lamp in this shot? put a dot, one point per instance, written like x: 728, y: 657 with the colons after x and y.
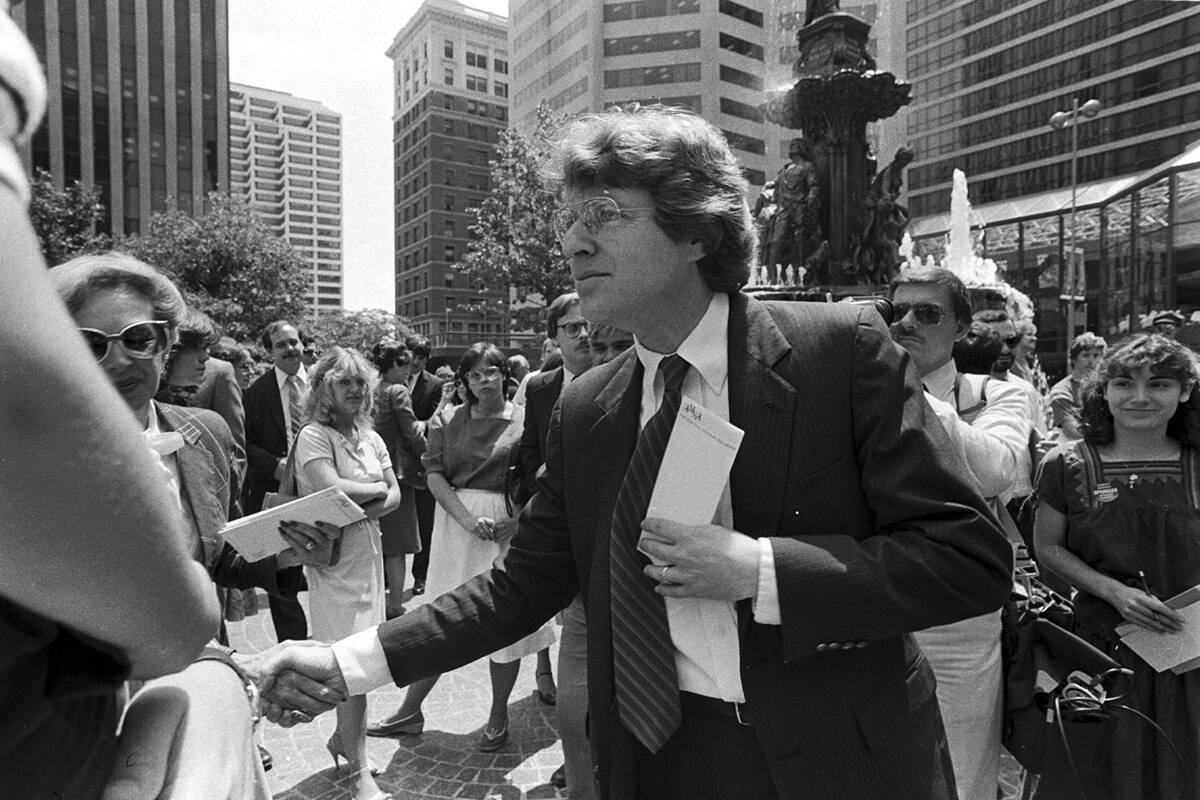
x: 1058, y: 121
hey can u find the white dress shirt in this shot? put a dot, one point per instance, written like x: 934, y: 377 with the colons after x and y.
x: 704, y: 632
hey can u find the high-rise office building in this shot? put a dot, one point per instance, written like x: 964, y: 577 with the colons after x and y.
x: 286, y: 159
x: 451, y: 87
x: 138, y: 101
x: 711, y: 57
x: 987, y: 76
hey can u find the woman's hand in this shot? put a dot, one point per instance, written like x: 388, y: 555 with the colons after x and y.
x: 1138, y: 607
x: 447, y: 393
x: 311, y: 546
x: 483, y: 528
x: 505, y: 529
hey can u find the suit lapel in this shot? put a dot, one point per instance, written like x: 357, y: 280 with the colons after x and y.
x: 197, y: 474
x: 761, y: 404
x: 275, y: 406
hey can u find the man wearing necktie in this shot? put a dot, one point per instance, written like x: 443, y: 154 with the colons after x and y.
x: 765, y: 655
x: 274, y: 414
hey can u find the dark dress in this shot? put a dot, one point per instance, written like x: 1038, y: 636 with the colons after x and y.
x: 1124, y: 517
x: 58, y: 708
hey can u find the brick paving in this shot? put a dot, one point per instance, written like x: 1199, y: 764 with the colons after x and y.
x: 444, y: 761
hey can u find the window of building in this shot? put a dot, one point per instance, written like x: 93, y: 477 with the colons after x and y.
x: 648, y: 76
x: 652, y: 43
x: 476, y: 84
x: 448, y: 203
x: 449, y: 228
x: 450, y: 253
x: 449, y: 177
x: 479, y: 60
x: 500, y: 89
x: 500, y: 65
x: 736, y: 76
x: 645, y: 9
x: 449, y: 51
x: 745, y: 143
x: 741, y: 46
x: 738, y: 11
x: 449, y: 281
x: 742, y: 110
x: 450, y: 301
x: 449, y: 77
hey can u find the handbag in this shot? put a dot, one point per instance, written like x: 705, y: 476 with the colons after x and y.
x: 1044, y: 664
x: 289, y: 491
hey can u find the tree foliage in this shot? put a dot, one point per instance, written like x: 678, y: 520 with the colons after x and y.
x: 66, y: 220
x: 515, y: 254
x: 357, y: 329
x: 228, y: 264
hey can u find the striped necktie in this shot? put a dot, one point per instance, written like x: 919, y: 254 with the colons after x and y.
x: 295, y: 406
x: 643, y: 656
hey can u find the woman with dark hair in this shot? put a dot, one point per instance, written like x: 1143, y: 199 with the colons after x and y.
x: 185, y: 362
x: 1119, y: 518
x: 465, y: 469
x: 404, y: 436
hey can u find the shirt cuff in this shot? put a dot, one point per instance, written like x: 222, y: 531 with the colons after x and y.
x: 362, y: 661
x: 766, y: 602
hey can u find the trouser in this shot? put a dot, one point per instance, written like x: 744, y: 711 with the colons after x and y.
x: 711, y: 755
x: 571, y: 709
x: 288, y: 618
x: 425, y: 508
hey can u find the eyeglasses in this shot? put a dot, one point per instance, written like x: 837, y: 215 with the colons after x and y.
x: 485, y: 374
x: 925, y: 313
x: 596, y: 212
x: 573, y: 330
x: 140, y: 340
x: 1013, y: 341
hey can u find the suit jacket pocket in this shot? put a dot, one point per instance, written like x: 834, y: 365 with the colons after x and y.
x: 826, y: 480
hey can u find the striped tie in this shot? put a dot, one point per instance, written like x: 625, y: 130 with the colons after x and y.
x: 643, y: 656
x: 295, y: 407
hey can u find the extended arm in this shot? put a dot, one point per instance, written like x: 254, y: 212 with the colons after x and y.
x: 995, y: 444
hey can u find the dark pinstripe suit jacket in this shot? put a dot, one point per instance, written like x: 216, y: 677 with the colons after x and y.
x: 876, y: 532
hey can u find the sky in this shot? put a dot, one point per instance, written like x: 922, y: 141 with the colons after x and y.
x: 334, y: 53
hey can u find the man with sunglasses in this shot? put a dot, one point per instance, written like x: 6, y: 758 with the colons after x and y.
x: 765, y: 655
x: 987, y: 421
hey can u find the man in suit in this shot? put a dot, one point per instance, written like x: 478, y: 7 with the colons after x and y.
x: 219, y: 391
x: 773, y: 657
x: 425, y: 389
x: 568, y: 328
x: 274, y: 414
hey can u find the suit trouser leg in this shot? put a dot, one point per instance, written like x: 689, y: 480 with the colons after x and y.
x: 288, y: 618
x: 425, y: 508
x: 571, y: 710
x: 711, y: 756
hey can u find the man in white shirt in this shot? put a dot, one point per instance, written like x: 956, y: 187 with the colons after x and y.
x: 987, y: 421
x: 765, y: 655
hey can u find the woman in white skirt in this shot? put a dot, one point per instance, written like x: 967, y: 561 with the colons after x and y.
x: 465, y: 466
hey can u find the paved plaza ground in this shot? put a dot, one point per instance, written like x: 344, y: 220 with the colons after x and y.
x: 443, y: 762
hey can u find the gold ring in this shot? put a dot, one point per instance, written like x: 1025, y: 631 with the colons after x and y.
x: 309, y: 545
x: 663, y: 579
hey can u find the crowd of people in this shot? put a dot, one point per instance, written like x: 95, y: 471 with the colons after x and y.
x: 827, y: 626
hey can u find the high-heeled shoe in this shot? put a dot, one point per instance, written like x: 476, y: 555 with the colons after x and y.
x: 337, y: 750
x: 491, y: 742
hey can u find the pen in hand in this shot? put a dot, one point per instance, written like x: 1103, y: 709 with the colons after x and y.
x: 1170, y: 625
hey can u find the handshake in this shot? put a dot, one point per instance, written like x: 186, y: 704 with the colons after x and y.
x: 297, y: 681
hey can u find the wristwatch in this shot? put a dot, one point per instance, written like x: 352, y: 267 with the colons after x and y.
x: 216, y: 652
